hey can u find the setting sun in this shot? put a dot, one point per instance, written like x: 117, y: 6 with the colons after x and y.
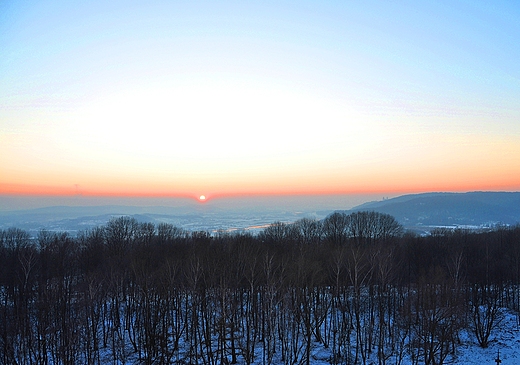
x: 202, y: 198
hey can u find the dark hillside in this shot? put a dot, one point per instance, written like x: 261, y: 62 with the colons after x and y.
x: 475, y: 208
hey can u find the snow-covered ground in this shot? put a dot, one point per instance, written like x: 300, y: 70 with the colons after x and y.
x: 504, y: 342
x: 506, y: 339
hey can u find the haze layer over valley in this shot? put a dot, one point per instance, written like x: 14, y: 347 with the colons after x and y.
x: 417, y: 212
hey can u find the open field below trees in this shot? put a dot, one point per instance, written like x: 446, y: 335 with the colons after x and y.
x: 352, y: 289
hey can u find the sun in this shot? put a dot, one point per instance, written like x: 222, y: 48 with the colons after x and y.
x: 202, y: 198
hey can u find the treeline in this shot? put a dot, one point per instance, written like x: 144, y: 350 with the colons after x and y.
x: 356, y: 286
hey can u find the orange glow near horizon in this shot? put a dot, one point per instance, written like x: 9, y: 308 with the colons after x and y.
x: 429, y: 161
x: 178, y: 100
x: 394, y: 186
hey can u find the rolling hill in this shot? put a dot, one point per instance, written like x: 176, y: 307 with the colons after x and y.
x: 478, y: 209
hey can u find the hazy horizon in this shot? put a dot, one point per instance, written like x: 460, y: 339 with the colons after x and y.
x: 11, y: 203
x: 317, y: 202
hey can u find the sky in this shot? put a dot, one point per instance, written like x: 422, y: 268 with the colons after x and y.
x: 242, y: 98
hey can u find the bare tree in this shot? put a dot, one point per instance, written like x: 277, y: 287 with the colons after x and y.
x: 309, y: 231
x: 335, y: 228
x: 370, y: 227
x: 485, y: 312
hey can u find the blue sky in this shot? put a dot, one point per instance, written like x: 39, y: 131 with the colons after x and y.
x: 226, y: 98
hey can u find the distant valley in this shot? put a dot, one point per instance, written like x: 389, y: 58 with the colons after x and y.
x: 193, y: 218
x: 417, y: 212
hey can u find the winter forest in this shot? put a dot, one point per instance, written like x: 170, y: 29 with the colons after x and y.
x: 355, y: 285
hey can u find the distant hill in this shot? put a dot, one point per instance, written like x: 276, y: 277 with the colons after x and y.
x: 451, y: 209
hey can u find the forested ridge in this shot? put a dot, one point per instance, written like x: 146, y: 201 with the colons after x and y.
x: 354, y: 284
